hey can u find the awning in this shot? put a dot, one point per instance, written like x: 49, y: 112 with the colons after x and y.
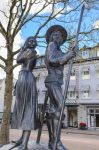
x: 72, y: 101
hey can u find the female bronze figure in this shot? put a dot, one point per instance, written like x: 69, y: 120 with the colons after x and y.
x: 24, y: 114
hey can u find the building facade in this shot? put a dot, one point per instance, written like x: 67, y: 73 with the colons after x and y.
x: 82, y: 103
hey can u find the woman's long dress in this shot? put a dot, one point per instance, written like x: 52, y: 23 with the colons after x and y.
x: 24, y: 114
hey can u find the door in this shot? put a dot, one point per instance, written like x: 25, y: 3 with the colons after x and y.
x: 97, y: 120
x: 72, y: 118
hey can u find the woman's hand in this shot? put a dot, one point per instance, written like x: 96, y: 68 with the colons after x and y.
x: 28, y: 54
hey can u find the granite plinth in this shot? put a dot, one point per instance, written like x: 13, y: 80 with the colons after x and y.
x: 31, y: 146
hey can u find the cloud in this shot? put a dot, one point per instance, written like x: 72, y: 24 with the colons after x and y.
x: 3, y: 51
x: 4, y: 7
x: 38, y: 52
x: 16, y: 72
x: 96, y: 24
x: 47, y: 10
x: 18, y: 41
x: 68, y: 8
x: 38, y: 6
x: 2, y: 74
x: 58, y: 9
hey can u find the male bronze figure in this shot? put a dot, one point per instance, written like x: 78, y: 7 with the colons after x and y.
x: 55, y: 60
x: 24, y: 114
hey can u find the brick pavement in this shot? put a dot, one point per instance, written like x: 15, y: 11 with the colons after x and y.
x: 76, y: 141
x: 15, y: 134
x: 78, y: 131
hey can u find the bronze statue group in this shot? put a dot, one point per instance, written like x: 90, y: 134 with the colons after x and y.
x: 25, y: 113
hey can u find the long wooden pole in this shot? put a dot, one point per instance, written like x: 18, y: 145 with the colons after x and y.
x: 68, y: 79
x: 42, y: 118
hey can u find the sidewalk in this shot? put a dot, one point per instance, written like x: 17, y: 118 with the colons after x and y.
x: 78, y: 131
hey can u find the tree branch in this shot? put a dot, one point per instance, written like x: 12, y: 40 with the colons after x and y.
x: 20, y: 17
x: 3, y: 67
x: 49, y: 18
x: 10, y: 18
x: 4, y: 14
x: 2, y: 30
x: 16, y: 65
x: 16, y: 52
x: 3, y: 59
x: 24, y: 20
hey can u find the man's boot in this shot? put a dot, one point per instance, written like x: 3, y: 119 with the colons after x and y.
x: 50, y: 132
x: 26, y: 136
x: 60, y: 146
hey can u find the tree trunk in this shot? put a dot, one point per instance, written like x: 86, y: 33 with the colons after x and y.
x: 4, y: 130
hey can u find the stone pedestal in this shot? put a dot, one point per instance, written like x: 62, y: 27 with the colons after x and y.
x: 31, y: 146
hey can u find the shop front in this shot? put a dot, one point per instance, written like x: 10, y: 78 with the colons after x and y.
x: 72, y: 116
x: 93, y: 117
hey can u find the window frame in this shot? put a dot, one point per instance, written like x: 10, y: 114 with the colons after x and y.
x: 85, y: 74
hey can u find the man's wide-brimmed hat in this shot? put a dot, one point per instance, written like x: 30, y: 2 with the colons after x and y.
x: 56, y: 28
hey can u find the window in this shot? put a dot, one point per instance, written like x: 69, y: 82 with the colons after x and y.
x: 92, y: 120
x: 97, y: 70
x: 85, y: 54
x: 98, y: 53
x: 73, y: 75
x: 92, y: 53
x: 97, y: 93
x: 97, y: 73
x: 97, y: 111
x: 86, y: 74
x: 85, y: 90
x: 71, y: 94
x: 91, y: 111
x: 86, y: 94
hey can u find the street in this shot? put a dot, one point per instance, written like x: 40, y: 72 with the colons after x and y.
x: 81, y: 142
x: 72, y: 141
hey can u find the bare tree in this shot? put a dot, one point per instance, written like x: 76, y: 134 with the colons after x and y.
x: 18, y: 16
x: 19, y: 13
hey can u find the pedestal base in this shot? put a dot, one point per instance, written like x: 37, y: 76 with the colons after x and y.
x: 34, y: 146
x: 31, y: 146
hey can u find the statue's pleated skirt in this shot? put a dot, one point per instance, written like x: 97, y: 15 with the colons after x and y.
x: 24, y: 113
